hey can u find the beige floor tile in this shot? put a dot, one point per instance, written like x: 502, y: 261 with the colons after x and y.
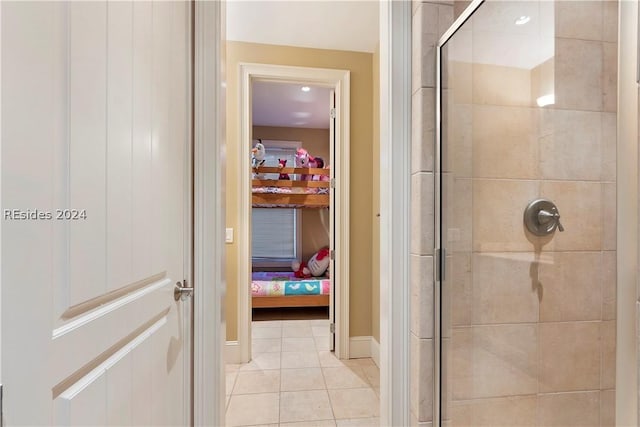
x: 373, y: 375
x: 305, y: 406
x: 322, y: 423
x: 267, y: 324
x: 302, y: 379
x: 364, y: 361
x: 299, y: 359
x: 364, y: 422
x: 329, y: 359
x: 320, y: 331
x: 298, y: 344
x: 354, y: 403
x: 252, y: 409
x: 296, y: 331
x: 301, y: 322
x: 319, y: 322
x: 231, y: 367
x: 251, y: 382
x: 345, y: 377
x: 266, y: 345
x: 230, y: 381
x: 266, y: 333
x: 262, y: 361
x: 322, y: 343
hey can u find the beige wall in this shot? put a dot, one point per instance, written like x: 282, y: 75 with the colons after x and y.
x: 361, y: 166
x: 375, y: 202
x: 315, y: 222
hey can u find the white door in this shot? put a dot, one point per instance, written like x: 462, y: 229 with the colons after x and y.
x: 95, y: 123
x: 332, y: 220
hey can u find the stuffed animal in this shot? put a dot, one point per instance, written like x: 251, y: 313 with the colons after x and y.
x: 282, y: 163
x: 319, y: 262
x: 300, y: 270
x: 257, y: 158
x: 305, y: 160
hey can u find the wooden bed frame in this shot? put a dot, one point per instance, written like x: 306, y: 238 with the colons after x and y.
x: 291, y: 200
x: 291, y: 301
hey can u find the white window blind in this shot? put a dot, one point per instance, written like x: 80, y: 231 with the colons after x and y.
x: 275, y: 231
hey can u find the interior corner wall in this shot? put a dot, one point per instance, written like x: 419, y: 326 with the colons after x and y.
x: 315, y: 222
x: 361, y: 136
x: 375, y: 202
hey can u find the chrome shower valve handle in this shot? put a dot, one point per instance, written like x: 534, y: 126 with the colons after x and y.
x: 541, y: 217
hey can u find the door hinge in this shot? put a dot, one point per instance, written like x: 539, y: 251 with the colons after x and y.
x: 332, y: 255
x: 333, y: 183
x: 332, y: 328
x: 332, y: 113
x: 439, y: 261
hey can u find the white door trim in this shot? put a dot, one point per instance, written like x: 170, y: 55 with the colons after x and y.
x: 395, y: 146
x: 209, y: 279
x: 339, y: 80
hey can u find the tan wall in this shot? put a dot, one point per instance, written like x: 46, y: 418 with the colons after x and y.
x: 375, y: 179
x: 315, y: 222
x: 361, y: 160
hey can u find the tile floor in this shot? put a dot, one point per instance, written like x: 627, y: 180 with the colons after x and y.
x: 294, y: 380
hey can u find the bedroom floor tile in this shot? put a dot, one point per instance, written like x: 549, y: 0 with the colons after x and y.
x: 285, y: 385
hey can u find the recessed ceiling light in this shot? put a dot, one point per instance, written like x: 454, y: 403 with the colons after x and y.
x: 523, y: 20
x: 305, y: 88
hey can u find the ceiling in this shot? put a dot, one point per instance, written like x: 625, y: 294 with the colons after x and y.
x: 286, y: 105
x: 342, y: 25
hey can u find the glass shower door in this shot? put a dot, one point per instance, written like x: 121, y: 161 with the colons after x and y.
x: 527, y: 300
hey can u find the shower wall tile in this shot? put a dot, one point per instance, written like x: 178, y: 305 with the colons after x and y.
x: 422, y: 130
x: 459, y: 156
x: 459, y: 232
x: 608, y: 358
x: 608, y: 408
x: 572, y: 146
x: 609, y: 216
x: 421, y: 381
x: 610, y: 76
x: 579, y: 19
x: 570, y: 409
x: 459, y: 294
x: 610, y: 21
x: 609, y: 281
x: 445, y: 17
x: 459, y: 6
x: 460, y: 359
x: 422, y: 296
x: 503, y: 289
x: 509, y: 134
x: 460, y: 74
x: 505, y: 360
x: 579, y: 76
x: 502, y: 412
x: 569, y: 356
x: 424, y: 39
x: 609, y: 143
x: 580, y: 205
x: 497, y: 214
x: 422, y: 242
x: 571, y: 286
x: 497, y: 85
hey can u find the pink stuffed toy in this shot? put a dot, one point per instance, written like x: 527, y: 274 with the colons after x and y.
x: 305, y: 160
x: 282, y: 163
x: 300, y: 270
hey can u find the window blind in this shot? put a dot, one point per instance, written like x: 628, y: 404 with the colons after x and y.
x: 273, y: 233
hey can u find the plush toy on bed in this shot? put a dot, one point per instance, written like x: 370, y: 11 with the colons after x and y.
x: 316, y: 266
x: 257, y: 158
x: 305, y: 160
x: 300, y: 270
x: 281, y: 164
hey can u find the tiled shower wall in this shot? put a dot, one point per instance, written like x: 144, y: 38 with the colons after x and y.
x: 430, y: 20
x: 571, y: 159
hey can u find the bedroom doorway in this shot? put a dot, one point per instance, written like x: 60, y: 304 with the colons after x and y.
x: 287, y: 109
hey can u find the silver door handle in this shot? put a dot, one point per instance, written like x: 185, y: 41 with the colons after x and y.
x: 181, y: 291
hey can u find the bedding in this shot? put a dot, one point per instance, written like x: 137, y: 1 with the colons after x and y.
x: 290, y: 190
x: 273, y: 284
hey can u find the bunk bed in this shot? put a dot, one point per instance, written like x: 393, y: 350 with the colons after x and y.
x: 290, y: 193
x: 283, y: 289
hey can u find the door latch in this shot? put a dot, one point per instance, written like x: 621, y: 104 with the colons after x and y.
x: 182, y: 291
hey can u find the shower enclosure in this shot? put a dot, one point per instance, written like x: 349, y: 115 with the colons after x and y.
x: 526, y: 215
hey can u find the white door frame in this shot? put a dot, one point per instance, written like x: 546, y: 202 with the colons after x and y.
x: 395, y: 105
x: 209, y: 328
x: 339, y: 81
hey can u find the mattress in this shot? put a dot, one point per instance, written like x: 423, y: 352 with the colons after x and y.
x: 275, y: 284
x: 290, y: 190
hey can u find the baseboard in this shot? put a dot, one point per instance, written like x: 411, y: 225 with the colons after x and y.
x: 232, y: 352
x: 359, y: 347
x: 375, y: 351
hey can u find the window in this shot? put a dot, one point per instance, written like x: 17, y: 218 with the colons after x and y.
x: 275, y: 234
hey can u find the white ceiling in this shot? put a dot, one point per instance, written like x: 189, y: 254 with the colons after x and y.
x: 342, y: 25
x: 286, y: 105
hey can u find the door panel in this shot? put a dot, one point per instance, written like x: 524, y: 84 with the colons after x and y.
x: 95, y: 117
